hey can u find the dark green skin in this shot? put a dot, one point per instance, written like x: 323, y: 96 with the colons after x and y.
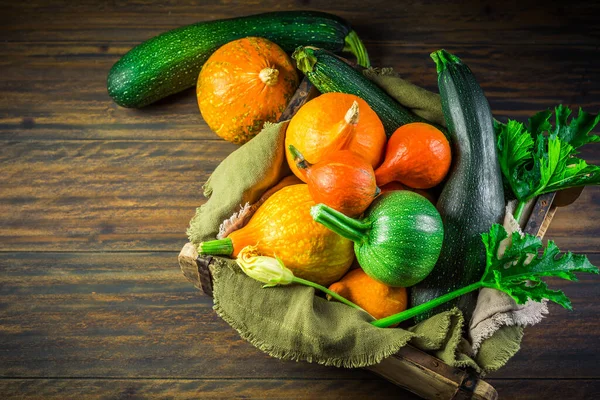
x: 405, y: 239
x: 473, y: 197
x: 171, y: 62
x: 331, y: 74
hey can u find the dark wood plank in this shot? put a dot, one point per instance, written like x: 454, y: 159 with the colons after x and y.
x: 140, y: 195
x: 90, y: 195
x: 535, y: 389
x: 55, y: 86
x: 133, y: 315
x: 522, y: 389
x: 69, y: 99
x: 201, y: 389
x: 78, y: 173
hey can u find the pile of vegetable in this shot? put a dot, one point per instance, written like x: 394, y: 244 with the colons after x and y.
x: 364, y: 216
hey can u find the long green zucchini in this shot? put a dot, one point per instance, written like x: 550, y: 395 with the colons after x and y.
x: 171, y: 62
x: 473, y: 197
x: 329, y: 73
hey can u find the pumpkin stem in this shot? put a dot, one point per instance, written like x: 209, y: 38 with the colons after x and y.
x: 298, y: 158
x: 269, y: 76
x: 345, y: 129
x: 352, y: 114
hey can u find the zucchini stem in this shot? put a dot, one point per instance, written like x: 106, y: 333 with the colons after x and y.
x: 219, y: 247
x: 341, y: 224
x: 442, y: 58
x: 354, y: 45
x: 305, y: 59
x: 412, y: 312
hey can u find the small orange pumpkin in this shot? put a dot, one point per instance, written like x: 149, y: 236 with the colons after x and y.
x: 244, y: 84
x: 342, y: 180
x: 417, y: 155
x: 330, y: 122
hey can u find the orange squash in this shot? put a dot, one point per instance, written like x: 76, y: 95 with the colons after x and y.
x: 343, y: 180
x: 374, y: 297
x: 283, y: 227
x: 244, y: 84
x: 417, y: 155
x: 332, y: 122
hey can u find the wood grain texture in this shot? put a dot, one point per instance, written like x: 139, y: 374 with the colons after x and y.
x: 134, y: 315
x: 140, y: 195
x: 95, y: 199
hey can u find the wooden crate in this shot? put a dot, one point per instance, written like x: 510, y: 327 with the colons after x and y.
x: 410, y: 368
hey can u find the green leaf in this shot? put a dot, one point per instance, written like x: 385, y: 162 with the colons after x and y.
x: 514, y: 153
x: 519, y: 271
x: 540, y: 158
x: 576, y: 133
x: 540, y: 123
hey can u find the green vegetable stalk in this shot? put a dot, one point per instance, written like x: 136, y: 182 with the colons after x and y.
x: 512, y: 273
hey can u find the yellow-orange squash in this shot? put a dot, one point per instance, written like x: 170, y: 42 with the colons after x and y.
x: 374, y: 297
x: 335, y: 121
x: 244, y: 84
x: 283, y: 227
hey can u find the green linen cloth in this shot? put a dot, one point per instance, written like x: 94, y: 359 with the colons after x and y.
x: 291, y: 322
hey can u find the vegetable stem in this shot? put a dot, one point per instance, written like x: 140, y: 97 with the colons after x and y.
x: 442, y: 58
x: 305, y: 59
x: 298, y: 157
x: 220, y: 247
x: 341, y: 224
x: 519, y: 210
x: 411, y: 312
x: 355, y: 46
x: 329, y: 292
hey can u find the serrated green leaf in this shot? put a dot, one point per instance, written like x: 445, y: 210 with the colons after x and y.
x: 576, y: 133
x: 514, y: 154
x: 540, y: 123
x: 541, y: 159
x: 520, y: 270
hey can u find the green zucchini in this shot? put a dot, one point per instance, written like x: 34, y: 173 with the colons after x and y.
x: 329, y: 73
x: 171, y: 62
x: 473, y: 197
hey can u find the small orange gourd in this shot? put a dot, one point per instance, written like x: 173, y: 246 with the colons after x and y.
x: 417, y: 155
x: 335, y: 121
x: 242, y: 85
x: 343, y: 180
x: 374, y: 297
x: 283, y: 227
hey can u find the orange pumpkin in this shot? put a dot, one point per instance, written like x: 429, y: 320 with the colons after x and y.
x: 417, y: 155
x: 244, y: 84
x: 374, y: 297
x: 342, y: 180
x: 333, y: 122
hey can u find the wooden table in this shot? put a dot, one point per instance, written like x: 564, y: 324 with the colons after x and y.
x: 95, y: 199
